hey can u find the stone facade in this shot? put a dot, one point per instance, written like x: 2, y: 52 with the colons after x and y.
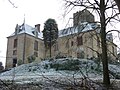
x: 88, y: 47
x: 80, y: 41
x: 22, y: 45
x: 24, y: 49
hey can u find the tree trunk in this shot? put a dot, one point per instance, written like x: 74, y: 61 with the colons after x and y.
x: 50, y: 44
x: 50, y: 49
x: 106, y: 79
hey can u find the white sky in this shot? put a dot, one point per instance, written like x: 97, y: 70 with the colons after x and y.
x: 36, y: 12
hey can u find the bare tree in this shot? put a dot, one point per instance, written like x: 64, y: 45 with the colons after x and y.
x: 118, y: 4
x: 12, y: 3
x: 100, y: 7
x: 106, y: 78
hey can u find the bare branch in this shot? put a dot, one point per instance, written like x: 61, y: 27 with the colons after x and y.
x: 112, y: 31
x: 112, y: 17
x: 12, y: 4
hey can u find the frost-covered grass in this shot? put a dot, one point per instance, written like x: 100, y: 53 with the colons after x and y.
x: 58, y: 68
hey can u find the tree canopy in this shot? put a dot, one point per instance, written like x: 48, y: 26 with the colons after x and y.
x: 1, y: 66
x: 50, y: 33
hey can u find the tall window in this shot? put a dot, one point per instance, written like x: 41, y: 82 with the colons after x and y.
x: 36, y: 45
x: 112, y: 49
x: 15, y: 43
x: 67, y: 44
x: 98, y: 42
x: 72, y: 43
x: 79, y: 41
x: 56, y: 47
x: 14, y: 52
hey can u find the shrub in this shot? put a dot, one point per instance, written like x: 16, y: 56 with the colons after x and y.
x: 0, y: 63
x: 111, y: 61
x: 20, y: 62
x: 46, y: 66
x: 1, y: 67
x: 71, y: 65
x: 59, y: 56
x: 31, y: 59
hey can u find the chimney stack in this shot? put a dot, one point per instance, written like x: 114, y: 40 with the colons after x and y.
x: 37, y: 26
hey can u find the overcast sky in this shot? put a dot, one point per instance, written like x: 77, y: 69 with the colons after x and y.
x: 35, y: 11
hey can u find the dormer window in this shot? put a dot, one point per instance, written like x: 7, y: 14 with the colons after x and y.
x: 20, y: 30
x: 33, y: 32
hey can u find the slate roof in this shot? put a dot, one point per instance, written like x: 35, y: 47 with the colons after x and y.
x: 83, y: 27
x: 24, y: 28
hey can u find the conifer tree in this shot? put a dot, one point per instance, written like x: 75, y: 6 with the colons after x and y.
x: 1, y: 66
x: 50, y: 33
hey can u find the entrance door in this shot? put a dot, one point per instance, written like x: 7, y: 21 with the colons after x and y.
x: 14, y: 62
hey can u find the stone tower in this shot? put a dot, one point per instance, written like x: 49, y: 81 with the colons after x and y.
x: 82, y: 16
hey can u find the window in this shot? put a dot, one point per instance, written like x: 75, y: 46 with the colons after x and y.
x: 36, y: 45
x: 79, y: 41
x: 14, y: 62
x: 56, y: 47
x: 78, y: 55
x: 72, y: 43
x: 112, y: 49
x: 15, y: 43
x: 67, y: 44
x: 33, y: 32
x: 14, y: 52
x: 36, y: 54
x: 98, y: 42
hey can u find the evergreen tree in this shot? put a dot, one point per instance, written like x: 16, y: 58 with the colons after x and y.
x: 50, y: 33
x: 1, y: 66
